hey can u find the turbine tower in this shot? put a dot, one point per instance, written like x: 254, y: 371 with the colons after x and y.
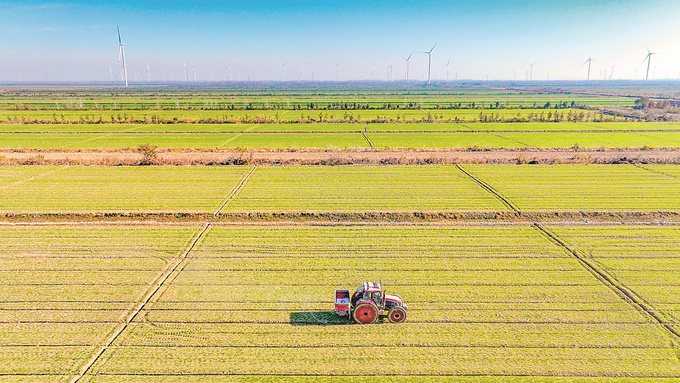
x: 337, y: 72
x: 229, y: 70
x: 121, y: 56
x: 429, y: 63
x: 649, y: 60
x: 589, y: 61
x: 282, y: 73
x: 389, y: 75
x: 148, y: 72
x: 447, y: 69
x: 611, y: 74
x: 531, y: 72
x: 186, y: 74
x: 408, y: 62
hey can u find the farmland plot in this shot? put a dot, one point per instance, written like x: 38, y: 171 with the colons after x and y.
x: 361, y: 189
x: 497, y: 301
x: 646, y: 259
x: 606, y: 188
x: 66, y: 288
x: 118, y: 189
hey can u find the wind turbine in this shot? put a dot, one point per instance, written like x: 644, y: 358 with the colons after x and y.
x: 389, y: 76
x: 429, y: 62
x: 194, y: 74
x: 611, y: 74
x: 531, y: 73
x: 337, y: 72
x: 589, y: 61
x: 649, y: 59
x: 148, y: 72
x: 408, y: 62
x: 186, y: 74
x: 447, y: 69
x: 111, y: 73
x: 121, y: 56
x: 282, y: 73
x: 229, y: 70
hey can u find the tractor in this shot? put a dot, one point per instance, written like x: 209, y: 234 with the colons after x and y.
x: 369, y: 303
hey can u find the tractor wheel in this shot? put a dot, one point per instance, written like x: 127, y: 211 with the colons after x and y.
x: 396, y: 315
x: 365, y: 313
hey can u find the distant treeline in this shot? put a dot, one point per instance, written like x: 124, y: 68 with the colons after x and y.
x: 569, y: 115
x: 295, y: 106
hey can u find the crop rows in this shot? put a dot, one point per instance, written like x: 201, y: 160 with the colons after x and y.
x: 256, y: 301
x: 345, y: 189
x: 342, y: 128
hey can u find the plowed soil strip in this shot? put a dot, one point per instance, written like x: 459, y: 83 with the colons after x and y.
x: 620, y: 289
x: 145, y: 300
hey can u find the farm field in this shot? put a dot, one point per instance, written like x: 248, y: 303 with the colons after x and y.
x: 387, y: 127
x: 291, y: 141
x: 350, y: 189
x: 582, y: 187
x: 520, y: 273
x: 255, y: 301
x: 342, y: 136
x: 117, y: 189
x: 284, y: 97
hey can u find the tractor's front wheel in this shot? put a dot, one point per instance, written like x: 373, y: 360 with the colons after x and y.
x: 396, y: 315
x: 365, y: 313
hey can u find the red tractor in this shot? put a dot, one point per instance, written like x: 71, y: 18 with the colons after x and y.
x: 369, y: 303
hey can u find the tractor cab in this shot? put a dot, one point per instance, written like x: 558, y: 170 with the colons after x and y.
x: 369, y: 291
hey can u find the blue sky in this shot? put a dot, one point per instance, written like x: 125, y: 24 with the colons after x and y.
x: 76, y: 41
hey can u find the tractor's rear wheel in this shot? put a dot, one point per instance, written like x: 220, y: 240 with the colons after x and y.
x: 396, y: 315
x: 365, y: 313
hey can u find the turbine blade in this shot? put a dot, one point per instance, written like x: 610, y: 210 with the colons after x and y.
x: 120, y: 41
x: 435, y: 44
x: 409, y: 56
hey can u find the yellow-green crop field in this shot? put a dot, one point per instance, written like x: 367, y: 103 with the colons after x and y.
x: 256, y: 301
x: 338, y: 189
x: 226, y: 273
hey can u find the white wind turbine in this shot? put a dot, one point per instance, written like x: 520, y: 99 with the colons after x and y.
x: 148, y: 72
x: 531, y: 73
x: 186, y: 73
x: 447, y: 69
x: 389, y: 74
x: 589, y: 61
x: 337, y: 72
x: 121, y: 57
x: 282, y: 73
x: 111, y: 73
x: 649, y: 60
x: 229, y: 70
x: 429, y: 62
x: 408, y: 62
